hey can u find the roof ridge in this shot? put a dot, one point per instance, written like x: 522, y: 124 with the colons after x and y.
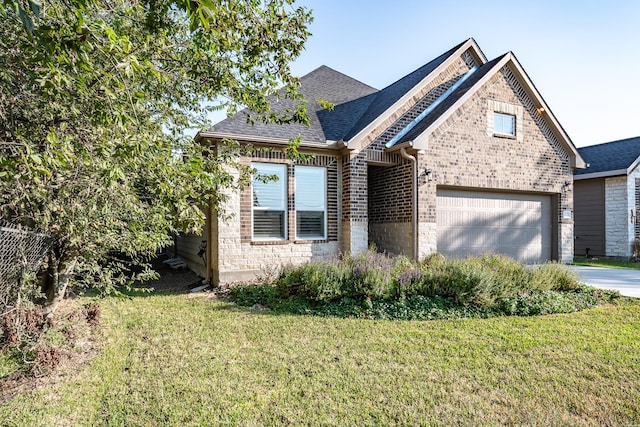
x: 333, y: 70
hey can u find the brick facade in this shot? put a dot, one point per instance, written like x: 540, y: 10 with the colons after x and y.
x: 237, y: 258
x: 370, y: 190
x: 390, y: 208
x: 461, y: 154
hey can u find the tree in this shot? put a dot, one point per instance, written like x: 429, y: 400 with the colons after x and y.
x: 95, y: 97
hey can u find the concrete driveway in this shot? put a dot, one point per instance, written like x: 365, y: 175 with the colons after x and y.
x: 625, y: 281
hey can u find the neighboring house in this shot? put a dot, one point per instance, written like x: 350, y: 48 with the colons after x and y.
x: 607, y: 199
x: 461, y: 156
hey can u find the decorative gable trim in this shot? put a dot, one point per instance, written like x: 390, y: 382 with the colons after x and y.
x: 470, y: 54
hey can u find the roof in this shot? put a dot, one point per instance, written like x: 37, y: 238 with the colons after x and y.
x: 356, y: 105
x: 389, y: 95
x: 610, y: 158
x: 359, y: 108
x: 448, y: 100
x: 322, y: 83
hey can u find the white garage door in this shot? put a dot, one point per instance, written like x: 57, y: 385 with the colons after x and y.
x: 473, y: 223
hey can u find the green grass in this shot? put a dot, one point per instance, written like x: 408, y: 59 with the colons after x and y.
x: 171, y: 360
x: 607, y: 263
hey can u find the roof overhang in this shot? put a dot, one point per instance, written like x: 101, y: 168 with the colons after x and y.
x: 577, y: 162
x: 267, y: 141
x: 603, y: 174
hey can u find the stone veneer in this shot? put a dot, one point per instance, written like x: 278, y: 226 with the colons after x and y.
x: 616, y: 217
x: 620, y: 214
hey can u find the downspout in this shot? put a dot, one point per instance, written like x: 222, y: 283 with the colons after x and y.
x: 414, y: 198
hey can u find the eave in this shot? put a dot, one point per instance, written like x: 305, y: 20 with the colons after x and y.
x: 268, y: 141
x: 603, y: 174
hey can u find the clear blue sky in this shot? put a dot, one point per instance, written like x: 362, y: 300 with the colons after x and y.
x: 582, y: 55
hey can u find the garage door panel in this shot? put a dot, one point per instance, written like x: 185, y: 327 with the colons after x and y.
x: 473, y: 223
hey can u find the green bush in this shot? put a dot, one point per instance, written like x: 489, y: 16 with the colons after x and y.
x: 378, y: 286
x: 553, y: 276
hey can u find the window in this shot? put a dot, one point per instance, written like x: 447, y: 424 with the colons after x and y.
x: 269, y: 202
x: 504, y: 124
x: 311, y: 203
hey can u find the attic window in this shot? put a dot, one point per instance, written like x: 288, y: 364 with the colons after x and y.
x: 505, y: 120
x: 504, y: 124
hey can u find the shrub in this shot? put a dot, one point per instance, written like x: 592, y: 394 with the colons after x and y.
x: 369, y: 275
x: 553, y: 276
x: 378, y: 286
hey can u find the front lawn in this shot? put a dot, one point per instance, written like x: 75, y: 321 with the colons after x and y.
x: 591, y: 262
x: 174, y: 360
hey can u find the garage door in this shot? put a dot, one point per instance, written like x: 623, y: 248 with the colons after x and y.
x: 473, y: 223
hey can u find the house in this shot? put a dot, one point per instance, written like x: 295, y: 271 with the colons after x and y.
x: 607, y: 199
x: 461, y: 156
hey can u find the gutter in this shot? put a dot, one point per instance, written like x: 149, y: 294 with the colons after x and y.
x: 414, y: 197
x: 605, y: 174
x: 330, y: 145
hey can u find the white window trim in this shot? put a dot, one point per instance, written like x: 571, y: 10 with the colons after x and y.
x: 285, y: 201
x: 324, y: 173
x: 505, y: 108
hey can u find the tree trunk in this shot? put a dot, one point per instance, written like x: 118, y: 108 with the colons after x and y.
x: 54, y: 287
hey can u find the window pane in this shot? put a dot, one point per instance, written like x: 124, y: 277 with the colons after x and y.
x: 311, y: 202
x: 268, y: 224
x: 310, y: 188
x: 270, y: 194
x: 269, y: 202
x: 504, y: 123
x: 310, y: 224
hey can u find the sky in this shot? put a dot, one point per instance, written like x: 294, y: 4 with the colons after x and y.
x: 583, y: 56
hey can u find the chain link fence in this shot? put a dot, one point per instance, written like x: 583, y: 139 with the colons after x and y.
x: 22, y: 251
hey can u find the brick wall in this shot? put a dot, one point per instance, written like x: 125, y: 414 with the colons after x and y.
x: 385, y: 196
x: 390, y: 208
x: 461, y: 153
x: 237, y: 258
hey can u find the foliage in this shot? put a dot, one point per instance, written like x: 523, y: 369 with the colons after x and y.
x: 374, y: 285
x: 96, y: 98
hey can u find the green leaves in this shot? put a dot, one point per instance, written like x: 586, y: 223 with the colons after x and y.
x: 95, y: 95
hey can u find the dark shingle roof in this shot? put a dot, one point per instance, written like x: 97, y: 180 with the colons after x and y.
x: 610, y: 156
x: 322, y: 83
x: 451, y: 99
x: 392, y: 93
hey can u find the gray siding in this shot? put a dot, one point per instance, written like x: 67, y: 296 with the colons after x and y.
x: 589, y: 217
x: 188, y: 247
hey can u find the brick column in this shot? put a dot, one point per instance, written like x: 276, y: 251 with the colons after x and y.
x: 355, y: 232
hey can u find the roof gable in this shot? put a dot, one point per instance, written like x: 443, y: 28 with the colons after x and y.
x: 389, y: 99
x: 448, y: 100
x: 610, y: 158
x: 418, y: 136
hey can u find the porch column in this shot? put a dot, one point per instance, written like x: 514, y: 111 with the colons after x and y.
x: 355, y: 230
